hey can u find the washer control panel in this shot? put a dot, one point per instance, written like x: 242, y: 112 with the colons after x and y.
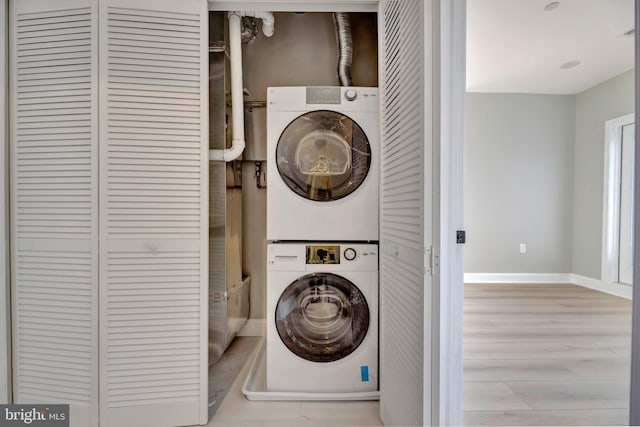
x: 307, y: 256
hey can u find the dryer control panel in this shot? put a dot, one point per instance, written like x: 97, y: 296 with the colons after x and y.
x: 323, y: 95
x: 311, y: 98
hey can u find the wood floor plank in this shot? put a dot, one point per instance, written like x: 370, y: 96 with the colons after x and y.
x: 545, y: 355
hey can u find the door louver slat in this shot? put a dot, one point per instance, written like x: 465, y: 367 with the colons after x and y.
x: 153, y: 190
x: 402, y: 280
x: 145, y: 160
x: 54, y: 149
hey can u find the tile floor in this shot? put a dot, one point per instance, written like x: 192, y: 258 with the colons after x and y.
x: 237, y: 411
x: 225, y: 371
x: 545, y: 355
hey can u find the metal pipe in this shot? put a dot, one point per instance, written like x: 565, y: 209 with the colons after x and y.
x: 237, y: 102
x: 268, y: 20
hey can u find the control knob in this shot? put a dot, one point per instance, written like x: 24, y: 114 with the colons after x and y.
x: 350, y: 94
x: 350, y: 254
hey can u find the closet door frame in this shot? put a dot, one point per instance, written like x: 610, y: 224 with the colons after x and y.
x: 5, y: 306
x: 634, y: 412
x: 448, y: 64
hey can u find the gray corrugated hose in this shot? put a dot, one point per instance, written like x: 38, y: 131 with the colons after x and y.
x: 345, y: 47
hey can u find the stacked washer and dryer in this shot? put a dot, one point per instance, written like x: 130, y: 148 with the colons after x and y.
x: 323, y: 155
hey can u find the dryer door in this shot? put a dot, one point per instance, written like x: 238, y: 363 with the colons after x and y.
x: 322, y: 317
x: 323, y: 156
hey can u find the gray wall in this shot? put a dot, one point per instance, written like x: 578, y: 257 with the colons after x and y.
x: 608, y: 100
x: 518, y: 182
x: 303, y: 52
x: 534, y: 174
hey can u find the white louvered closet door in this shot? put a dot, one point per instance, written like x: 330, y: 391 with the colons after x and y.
x: 54, y: 204
x: 406, y: 214
x: 153, y: 205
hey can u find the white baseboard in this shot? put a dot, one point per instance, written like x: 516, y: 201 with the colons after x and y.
x: 617, y: 289
x: 254, y: 328
x: 517, y: 278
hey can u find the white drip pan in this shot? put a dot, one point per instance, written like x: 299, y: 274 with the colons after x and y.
x: 255, y: 386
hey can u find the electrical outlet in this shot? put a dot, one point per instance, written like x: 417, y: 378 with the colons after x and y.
x: 523, y: 248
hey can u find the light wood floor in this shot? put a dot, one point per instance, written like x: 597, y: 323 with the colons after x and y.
x: 545, y: 355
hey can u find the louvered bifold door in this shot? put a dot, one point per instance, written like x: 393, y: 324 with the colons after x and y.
x: 405, y: 206
x: 153, y: 205
x: 54, y: 204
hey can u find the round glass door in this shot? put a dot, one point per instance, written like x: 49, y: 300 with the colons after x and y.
x: 322, y: 317
x: 323, y: 156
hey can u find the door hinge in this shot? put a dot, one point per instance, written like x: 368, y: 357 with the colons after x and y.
x: 429, y: 261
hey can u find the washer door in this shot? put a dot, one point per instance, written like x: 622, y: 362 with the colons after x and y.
x: 323, y: 156
x: 322, y: 317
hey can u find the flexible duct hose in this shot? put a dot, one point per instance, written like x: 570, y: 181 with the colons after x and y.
x: 345, y: 47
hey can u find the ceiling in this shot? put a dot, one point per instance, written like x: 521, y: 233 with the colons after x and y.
x: 518, y: 46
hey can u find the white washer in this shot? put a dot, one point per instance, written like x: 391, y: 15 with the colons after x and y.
x: 322, y: 317
x: 323, y: 151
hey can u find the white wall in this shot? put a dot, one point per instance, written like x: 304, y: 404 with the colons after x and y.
x: 5, y: 359
x: 518, y: 182
x: 608, y: 100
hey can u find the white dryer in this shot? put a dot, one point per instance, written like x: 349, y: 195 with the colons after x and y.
x: 322, y: 317
x: 323, y: 151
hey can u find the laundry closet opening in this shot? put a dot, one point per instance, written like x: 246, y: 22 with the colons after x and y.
x: 302, y: 52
